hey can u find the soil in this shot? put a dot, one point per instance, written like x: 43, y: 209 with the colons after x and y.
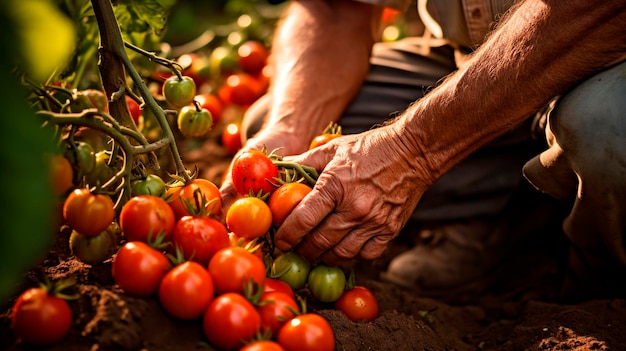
x: 517, y: 310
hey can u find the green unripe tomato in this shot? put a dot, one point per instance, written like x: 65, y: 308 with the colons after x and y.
x: 93, y: 250
x: 326, y: 283
x: 291, y: 268
x: 179, y: 92
x: 152, y: 184
x: 82, y: 157
x: 194, y: 123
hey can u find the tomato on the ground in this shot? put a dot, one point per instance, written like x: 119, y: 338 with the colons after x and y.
x: 145, y: 217
x: 326, y: 283
x: 253, y: 172
x: 186, y: 290
x: 262, y: 345
x: 276, y: 308
x: 233, y: 268
x: 249, y: 217
x: 199, y: 238
x: 230, y: 320
x: 181, y: 195
x: 138, y: 268
x: 88, y: 213
x: 93, y: 249
x: 40, y: 319
x: 358, y: 304
x: 292, y: 269
x: 285, y: 199
x: 307, y: 332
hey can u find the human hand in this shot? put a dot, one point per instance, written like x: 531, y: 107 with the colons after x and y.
x: 368, y: 188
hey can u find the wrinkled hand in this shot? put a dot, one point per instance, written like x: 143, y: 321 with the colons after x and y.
x: 368, y: 188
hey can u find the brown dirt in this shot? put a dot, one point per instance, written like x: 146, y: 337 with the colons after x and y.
x: 517, y: 312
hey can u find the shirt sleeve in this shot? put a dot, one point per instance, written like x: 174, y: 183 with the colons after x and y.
x: 401, y: 5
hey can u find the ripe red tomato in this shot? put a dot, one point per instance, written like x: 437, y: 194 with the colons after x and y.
x: 284, y: 200
x: 178, y: 196
x: 61, y: 174
x: 194, y: 123
x: 144, y: 217
x: 213, y: 104
x: 275, y: 309
x: 134, y: 109
x: 39, y: 318
x: 186, y: 290
x: 230, y: 320
x: 249, y: 217
x: 272, y: 284
x: 358, y: 304
x: 231, y: 137
x: 252, y: 56
x: 240, y: 89
x: 233, y: 267
x: 179, y: 92
x: 138, y: 268
x: 88, y: 213
x: 262, y: 345
x: 200, y: 237
x: 254, y: 172
x: 305, y: 332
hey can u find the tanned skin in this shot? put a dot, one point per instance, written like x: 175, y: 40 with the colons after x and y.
x: 371, y: 182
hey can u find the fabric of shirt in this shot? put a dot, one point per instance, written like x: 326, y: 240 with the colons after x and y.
x: 463, y: 22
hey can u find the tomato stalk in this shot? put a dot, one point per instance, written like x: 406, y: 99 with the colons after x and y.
x: 309, y: 173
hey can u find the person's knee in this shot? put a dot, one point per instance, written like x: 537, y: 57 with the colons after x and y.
x: 589, y: 122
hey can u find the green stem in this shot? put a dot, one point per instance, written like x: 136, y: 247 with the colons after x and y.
x: 309, y: 173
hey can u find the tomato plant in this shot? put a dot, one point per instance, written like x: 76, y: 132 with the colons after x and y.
x: 305, y: 332
x: 181, y: 195
x: 233, y: 268
x: 138, y: 268
x: 194, y: 122
x: 284, y: 200
x: 186, y: 290
x: 229, y: 320
x: 326, y: 283
x: 61, y: 174
x: 358, y: 304
x: 253, y: 172
x: 93, y: 249
x: 249, y: 217
x: 231, y: 137
x: 88, y: 213
x: 88, y: 98
x: 199, y: 237
x: 144, y: 217
x: 151, y: 184
x: 276, y: 308
x: 291, y: 268
x: 103, y: 171
x: 252, y: 56
x: 179, y: 92
x: 40, y: 318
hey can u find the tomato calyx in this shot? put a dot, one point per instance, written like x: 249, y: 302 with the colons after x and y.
x: 56, y: 288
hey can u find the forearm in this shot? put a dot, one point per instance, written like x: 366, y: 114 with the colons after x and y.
x: 321, y: 56
x: 541, y: 50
